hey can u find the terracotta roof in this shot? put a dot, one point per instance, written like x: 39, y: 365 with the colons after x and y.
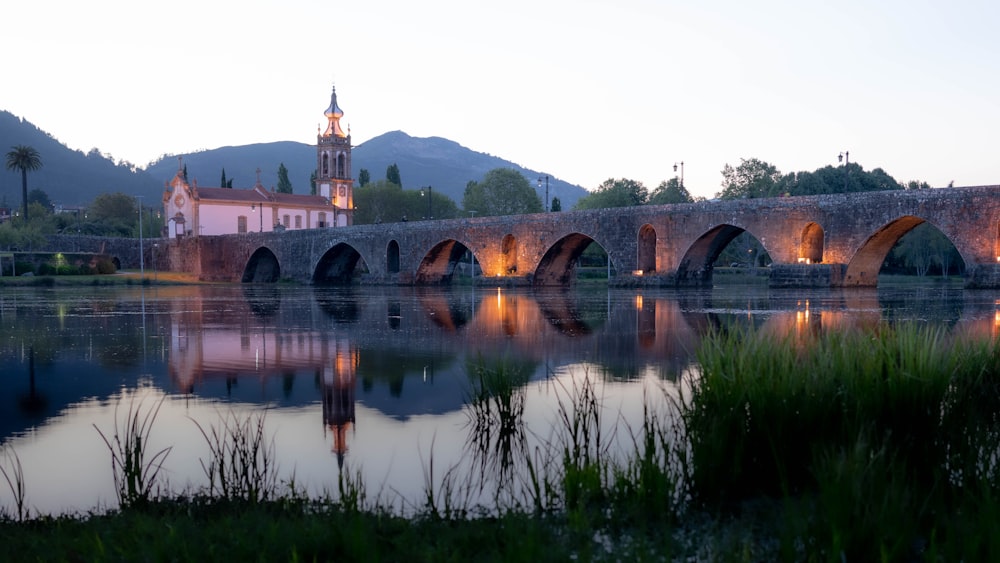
x: 254, y: 196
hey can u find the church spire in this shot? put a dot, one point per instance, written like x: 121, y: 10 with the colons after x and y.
x: 333, y: 115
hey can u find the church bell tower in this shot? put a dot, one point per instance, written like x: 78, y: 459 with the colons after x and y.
x: 333, y: 165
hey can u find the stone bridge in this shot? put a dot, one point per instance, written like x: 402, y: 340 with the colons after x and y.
x: 826, y: 240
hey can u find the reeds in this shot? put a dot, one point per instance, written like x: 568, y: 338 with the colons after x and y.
x: 241, y: 463
x: 14, y: 475
x: 873, y: 438
x: 135, y: 470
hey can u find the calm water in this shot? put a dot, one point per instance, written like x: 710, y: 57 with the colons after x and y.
x: 369, y: 380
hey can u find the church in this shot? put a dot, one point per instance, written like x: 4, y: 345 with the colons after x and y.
x: 191, y: 210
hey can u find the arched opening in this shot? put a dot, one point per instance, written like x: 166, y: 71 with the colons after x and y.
x: 736, y: 250
x: 811, y: 247
x: 338, y: 266
x: 262, y: 267
x: 508, y: 248
x: 341, y: 166
x: 575, y: 255
x: 392, y: 257
x: 923, y: 252
x: 441, y: 264
x: 647, y: 249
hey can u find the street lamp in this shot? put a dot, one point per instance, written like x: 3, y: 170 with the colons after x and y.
x: 682, y: 172
x: 430, y: 201
x: 546, y: 190
x: 845, y: 157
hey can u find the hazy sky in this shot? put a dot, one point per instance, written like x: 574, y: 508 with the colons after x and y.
x: 583, y: 90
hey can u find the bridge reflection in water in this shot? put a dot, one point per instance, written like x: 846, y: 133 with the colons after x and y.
x: 378, y: 370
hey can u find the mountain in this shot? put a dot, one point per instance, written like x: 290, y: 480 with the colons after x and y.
x: 69, y: 177
x: 432, y: 161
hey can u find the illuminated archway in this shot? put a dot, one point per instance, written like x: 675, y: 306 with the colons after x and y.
x: 811, y: 247
x: 864, y: 267
x: 558, y: 265
x: 647, y: 249
x: 262, y: 267
x: 508, y: 248
x: 438, y: 266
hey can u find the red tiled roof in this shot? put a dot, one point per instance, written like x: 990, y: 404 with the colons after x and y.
x: 253, y: 196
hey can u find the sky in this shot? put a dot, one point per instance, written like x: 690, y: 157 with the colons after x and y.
x: 583, y: 90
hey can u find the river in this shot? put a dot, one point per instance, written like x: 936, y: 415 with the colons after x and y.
x: 371, y: 381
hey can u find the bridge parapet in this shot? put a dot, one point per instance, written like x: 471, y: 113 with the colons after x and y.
x: 836, y: 239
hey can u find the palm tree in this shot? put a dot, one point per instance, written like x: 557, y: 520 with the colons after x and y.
x: 24, y: 158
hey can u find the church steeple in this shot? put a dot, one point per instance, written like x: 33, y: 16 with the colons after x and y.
x: 333, y: 115
x: 333, y: 165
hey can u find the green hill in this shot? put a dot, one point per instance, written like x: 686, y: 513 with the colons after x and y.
x: 71, y: 177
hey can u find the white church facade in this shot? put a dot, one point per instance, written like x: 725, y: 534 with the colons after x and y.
x: 191, y: 210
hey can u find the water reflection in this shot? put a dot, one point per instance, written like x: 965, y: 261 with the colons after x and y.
x: 350, y: 371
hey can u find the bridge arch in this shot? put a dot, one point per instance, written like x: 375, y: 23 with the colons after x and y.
x: 864, y: 267
x: 262, y: 267
x: 811, y: 245
x: 392, y: 257
x: 438, y: 265
x: 698, y: 262
x: 508, y: 249
x: 558, y: 264
x: 646, y: 259
x: 337, y: 265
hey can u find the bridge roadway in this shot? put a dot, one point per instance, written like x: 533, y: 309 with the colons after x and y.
x: 826, y: 240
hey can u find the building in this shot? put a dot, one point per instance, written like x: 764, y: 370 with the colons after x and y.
x: 191, y: 210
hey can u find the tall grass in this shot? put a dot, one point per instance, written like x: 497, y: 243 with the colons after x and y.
x: 874, y: 437
x: 134, y: 468
x: 14, y: 475
x: 242, y: 463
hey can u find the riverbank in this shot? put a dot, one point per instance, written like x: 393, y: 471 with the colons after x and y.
x: 121, y: 278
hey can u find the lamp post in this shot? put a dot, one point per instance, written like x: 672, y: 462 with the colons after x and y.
x: 845, y: 157
x: 546, y: 190
x: 142, y: 264
x: 430, y: 201
x: 682, y: 172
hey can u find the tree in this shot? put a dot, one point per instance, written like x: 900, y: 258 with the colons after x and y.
x: 503, y: 191
x: 386, y: 202
x: 226, y: 183
x: 26, y: 159
x: 556, y: 204
x: 312, y: 183
x: 115, y: 212
x: 284, y: 185
x: 392, y: 175
x: 752, y: 178
x: 40, y: 197
x: 670, y: 191
x: 364, y: 178
x: 614, y: 193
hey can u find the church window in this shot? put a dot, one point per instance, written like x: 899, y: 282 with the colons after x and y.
x: 298, y: 221
x: 241, y: 224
